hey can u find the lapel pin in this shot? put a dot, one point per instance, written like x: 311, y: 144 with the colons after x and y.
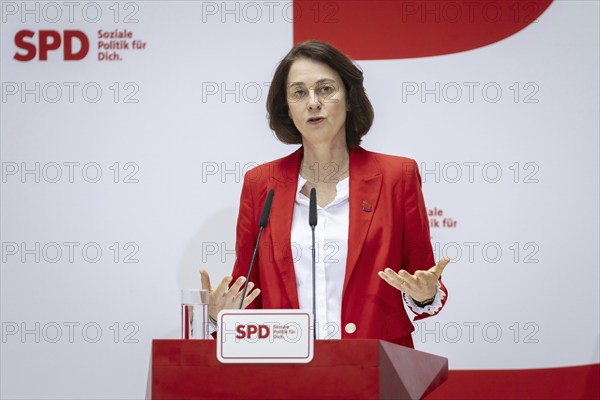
x: 366, y: 206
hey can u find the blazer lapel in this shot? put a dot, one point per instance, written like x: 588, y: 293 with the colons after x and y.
x: 285, y: 183
x: 365, y: 187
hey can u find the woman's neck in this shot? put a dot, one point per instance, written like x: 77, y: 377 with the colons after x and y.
x: 325, y: 163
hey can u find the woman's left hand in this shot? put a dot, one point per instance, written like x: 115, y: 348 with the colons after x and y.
x: 421, y: 286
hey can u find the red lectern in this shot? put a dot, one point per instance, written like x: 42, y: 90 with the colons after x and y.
x: 340, y: 369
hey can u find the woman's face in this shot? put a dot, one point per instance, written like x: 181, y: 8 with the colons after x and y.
x: 317, y: 102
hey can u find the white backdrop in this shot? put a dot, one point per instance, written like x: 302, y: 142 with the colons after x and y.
x: 120, y: 179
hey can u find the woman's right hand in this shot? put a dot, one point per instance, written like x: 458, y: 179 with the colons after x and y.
x: 225, y: 297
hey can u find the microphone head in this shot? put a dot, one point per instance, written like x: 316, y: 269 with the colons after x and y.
x: 312, y: 210
x: 264, y: 217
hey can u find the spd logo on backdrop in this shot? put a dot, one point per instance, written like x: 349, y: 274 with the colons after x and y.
x: 75, y: 44
x: 36, y: 45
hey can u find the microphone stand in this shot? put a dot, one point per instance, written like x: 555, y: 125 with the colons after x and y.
x: 264, y: 220
x: 312, y: 221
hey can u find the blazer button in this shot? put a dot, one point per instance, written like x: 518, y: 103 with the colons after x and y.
x: 350, y: 328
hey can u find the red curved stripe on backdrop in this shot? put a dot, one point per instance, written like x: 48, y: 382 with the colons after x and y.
x: 382, y: 30
x: 581, y: 382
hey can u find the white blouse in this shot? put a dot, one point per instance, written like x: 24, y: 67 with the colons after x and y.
x: 331, y: 252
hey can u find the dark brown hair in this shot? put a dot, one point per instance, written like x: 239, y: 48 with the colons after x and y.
x: 360, y: 116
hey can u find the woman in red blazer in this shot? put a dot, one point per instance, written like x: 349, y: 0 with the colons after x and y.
x: 317, y: 99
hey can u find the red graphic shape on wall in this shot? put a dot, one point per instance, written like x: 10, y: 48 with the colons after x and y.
x: 393, y: 29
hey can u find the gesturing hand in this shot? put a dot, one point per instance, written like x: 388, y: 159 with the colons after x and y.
x: 421, y: 286
x: 225, y: 297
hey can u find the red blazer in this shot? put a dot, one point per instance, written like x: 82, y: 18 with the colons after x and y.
x: 388, y: 228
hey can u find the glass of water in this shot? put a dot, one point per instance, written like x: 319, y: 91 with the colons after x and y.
x: 194, y: 314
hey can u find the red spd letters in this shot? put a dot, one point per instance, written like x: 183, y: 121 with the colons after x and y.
x: 250, y: 330
x: 50, y: 40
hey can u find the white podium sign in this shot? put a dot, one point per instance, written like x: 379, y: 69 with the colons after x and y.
x: 264, y: 336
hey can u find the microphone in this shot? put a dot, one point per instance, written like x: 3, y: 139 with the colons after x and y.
x: 312, y: 221
x: 264, y: 217
x: 312, y: 212
x: 262, y: 223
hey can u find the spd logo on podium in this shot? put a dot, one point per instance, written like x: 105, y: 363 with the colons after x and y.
x: 264, y: 336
